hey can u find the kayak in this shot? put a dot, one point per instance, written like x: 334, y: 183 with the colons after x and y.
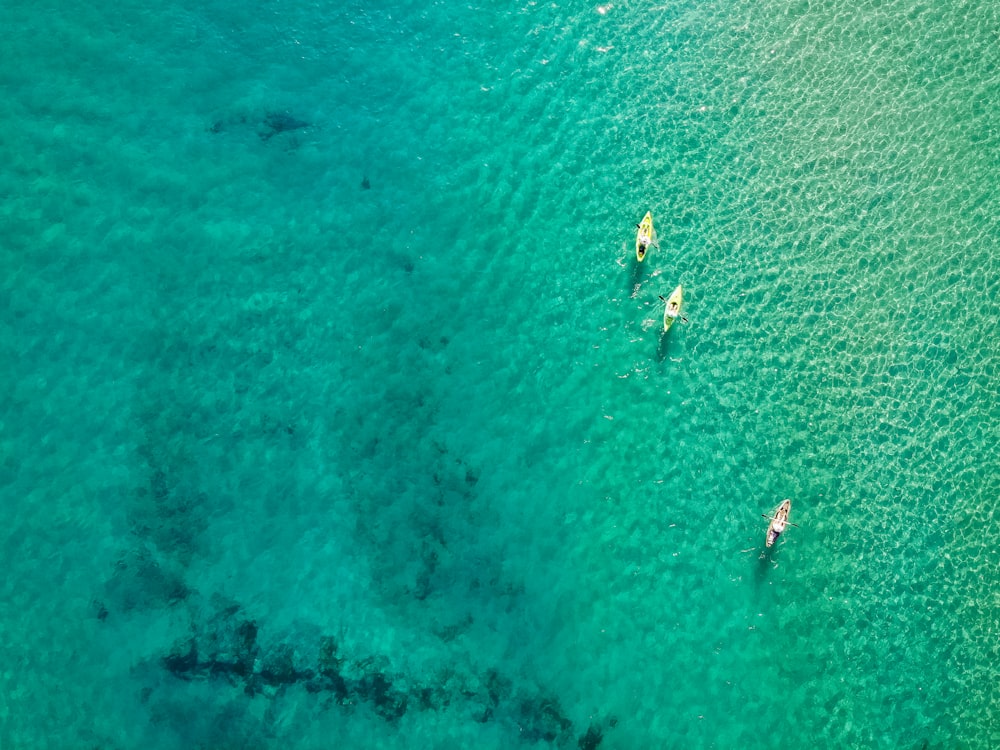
x: 644, y: 236
x: 779, y: 522
x: 673, y: 309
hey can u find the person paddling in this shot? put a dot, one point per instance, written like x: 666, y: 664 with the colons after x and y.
x: 673, y: 309
x: 644, y: 239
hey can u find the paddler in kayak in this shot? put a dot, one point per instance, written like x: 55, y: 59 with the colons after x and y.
x: 644, y: 239
x: 778, y: 527
x: 779, y: 521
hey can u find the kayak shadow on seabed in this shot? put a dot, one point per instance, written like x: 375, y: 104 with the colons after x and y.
x: 765, y: 564
x: 661, y: 344
x: 635, y: 279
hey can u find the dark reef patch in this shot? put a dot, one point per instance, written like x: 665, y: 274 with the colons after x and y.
x: 227, y: 646
x: 266, y: 125
x: 141, y: 579
x: 275, y: 123
x: 182, y: 661
x: 389, y: 702
x: 542, y: 719
x: 592, y: 739
x: 165, y: 512
x: 100, y: 611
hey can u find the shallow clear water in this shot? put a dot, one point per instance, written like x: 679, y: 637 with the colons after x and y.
x: 337, y: 411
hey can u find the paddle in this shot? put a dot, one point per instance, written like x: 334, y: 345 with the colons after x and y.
x: 772, y: 518
x: 683, y: 319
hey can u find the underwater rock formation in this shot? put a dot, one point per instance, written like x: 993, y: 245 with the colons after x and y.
x: 389, y: 702
x: 592, y: 739
x: 329, y: 678
x: 182, y: 661
x: 542, y: 719
x: 142, y: 580
x: 280, y: 122
x: 230, y: 648
x: 267, y: 126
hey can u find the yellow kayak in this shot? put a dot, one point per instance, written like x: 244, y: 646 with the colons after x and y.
x: 644, y: 237
x: 673, y: 309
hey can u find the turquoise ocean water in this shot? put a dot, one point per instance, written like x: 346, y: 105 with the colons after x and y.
x: 336, y: 411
